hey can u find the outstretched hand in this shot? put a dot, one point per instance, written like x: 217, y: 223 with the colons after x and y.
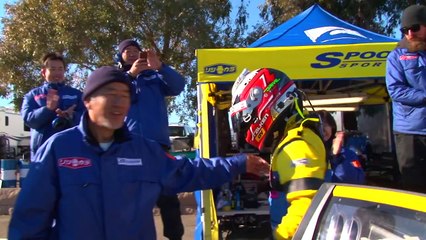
x: 256, y: 165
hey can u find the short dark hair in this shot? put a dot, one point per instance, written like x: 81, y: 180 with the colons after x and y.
x: 52, y: 56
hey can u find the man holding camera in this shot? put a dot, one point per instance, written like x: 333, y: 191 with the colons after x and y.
x: 53, y: 106
x: 152, y: 81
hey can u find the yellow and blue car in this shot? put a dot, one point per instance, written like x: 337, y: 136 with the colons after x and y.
x: 342, y: 212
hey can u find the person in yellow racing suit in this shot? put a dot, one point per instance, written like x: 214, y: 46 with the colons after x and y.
x: 298, y: 168
x: 266, y: 109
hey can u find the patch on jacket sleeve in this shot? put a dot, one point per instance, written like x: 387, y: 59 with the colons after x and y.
x: 170, y: 156
x: 356, y: 164
x: 74, y: 162
x: 299, y: 162
x: 408, y: 57
x: 39, y: 96
x: 129, y: 161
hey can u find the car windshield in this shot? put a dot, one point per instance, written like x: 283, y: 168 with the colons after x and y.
x: 177, y: 131
x: 352, y: 219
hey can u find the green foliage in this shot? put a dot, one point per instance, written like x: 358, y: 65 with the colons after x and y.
x: 87, y: 32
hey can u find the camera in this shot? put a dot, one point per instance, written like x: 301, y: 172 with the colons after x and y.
x: 143, y: 55
x: 61, y: 123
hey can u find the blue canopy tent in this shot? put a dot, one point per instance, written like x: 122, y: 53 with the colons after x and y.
x: 315, y: 47
x: 323, y: 54
x: 315, y: 26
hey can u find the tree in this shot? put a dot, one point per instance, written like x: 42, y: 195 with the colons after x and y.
x: 87, y: 32
x: 381, y: 16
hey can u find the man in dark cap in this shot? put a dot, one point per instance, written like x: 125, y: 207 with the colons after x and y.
x: 99, y: 181
x: 153, y: 81
x: 406, y: 84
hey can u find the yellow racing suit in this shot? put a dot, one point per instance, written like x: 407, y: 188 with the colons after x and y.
x: 298, y: 167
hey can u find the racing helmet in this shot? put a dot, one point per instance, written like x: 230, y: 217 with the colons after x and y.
x: 262, y: 101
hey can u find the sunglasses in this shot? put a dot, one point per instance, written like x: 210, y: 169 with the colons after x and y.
x: 414, y: 28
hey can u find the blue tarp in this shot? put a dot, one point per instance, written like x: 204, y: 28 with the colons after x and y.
x: 315, y: 26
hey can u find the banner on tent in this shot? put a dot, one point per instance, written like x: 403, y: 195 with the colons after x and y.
x: 355, y: 61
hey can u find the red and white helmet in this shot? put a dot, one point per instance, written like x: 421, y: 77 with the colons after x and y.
x: 262, y: 100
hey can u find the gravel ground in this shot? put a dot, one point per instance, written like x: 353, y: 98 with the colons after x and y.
x: 188, y: 221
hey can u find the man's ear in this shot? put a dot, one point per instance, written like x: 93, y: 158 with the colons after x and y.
x: 87, y: 104
x: 43, y: 72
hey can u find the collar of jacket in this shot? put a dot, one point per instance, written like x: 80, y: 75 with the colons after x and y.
x: 124, y: 67
x: 120, y: 135
x: 55, y: 86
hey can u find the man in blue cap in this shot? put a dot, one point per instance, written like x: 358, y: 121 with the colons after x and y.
x: 99, y: 181
x: 153, y: 82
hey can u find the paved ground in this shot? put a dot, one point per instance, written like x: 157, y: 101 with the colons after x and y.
x: 187, y: 203
x: 4, y: 222
x: 189, y: 207
x: 188, y: 220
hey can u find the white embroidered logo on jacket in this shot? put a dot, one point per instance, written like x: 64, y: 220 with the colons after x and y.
x: 129, y: 161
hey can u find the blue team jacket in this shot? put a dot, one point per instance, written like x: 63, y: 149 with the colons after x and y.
x: 148, y: 113
x: 346, y: 168
x: 406, y: 84
x: 39, y: 118
x: 96, y: 194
